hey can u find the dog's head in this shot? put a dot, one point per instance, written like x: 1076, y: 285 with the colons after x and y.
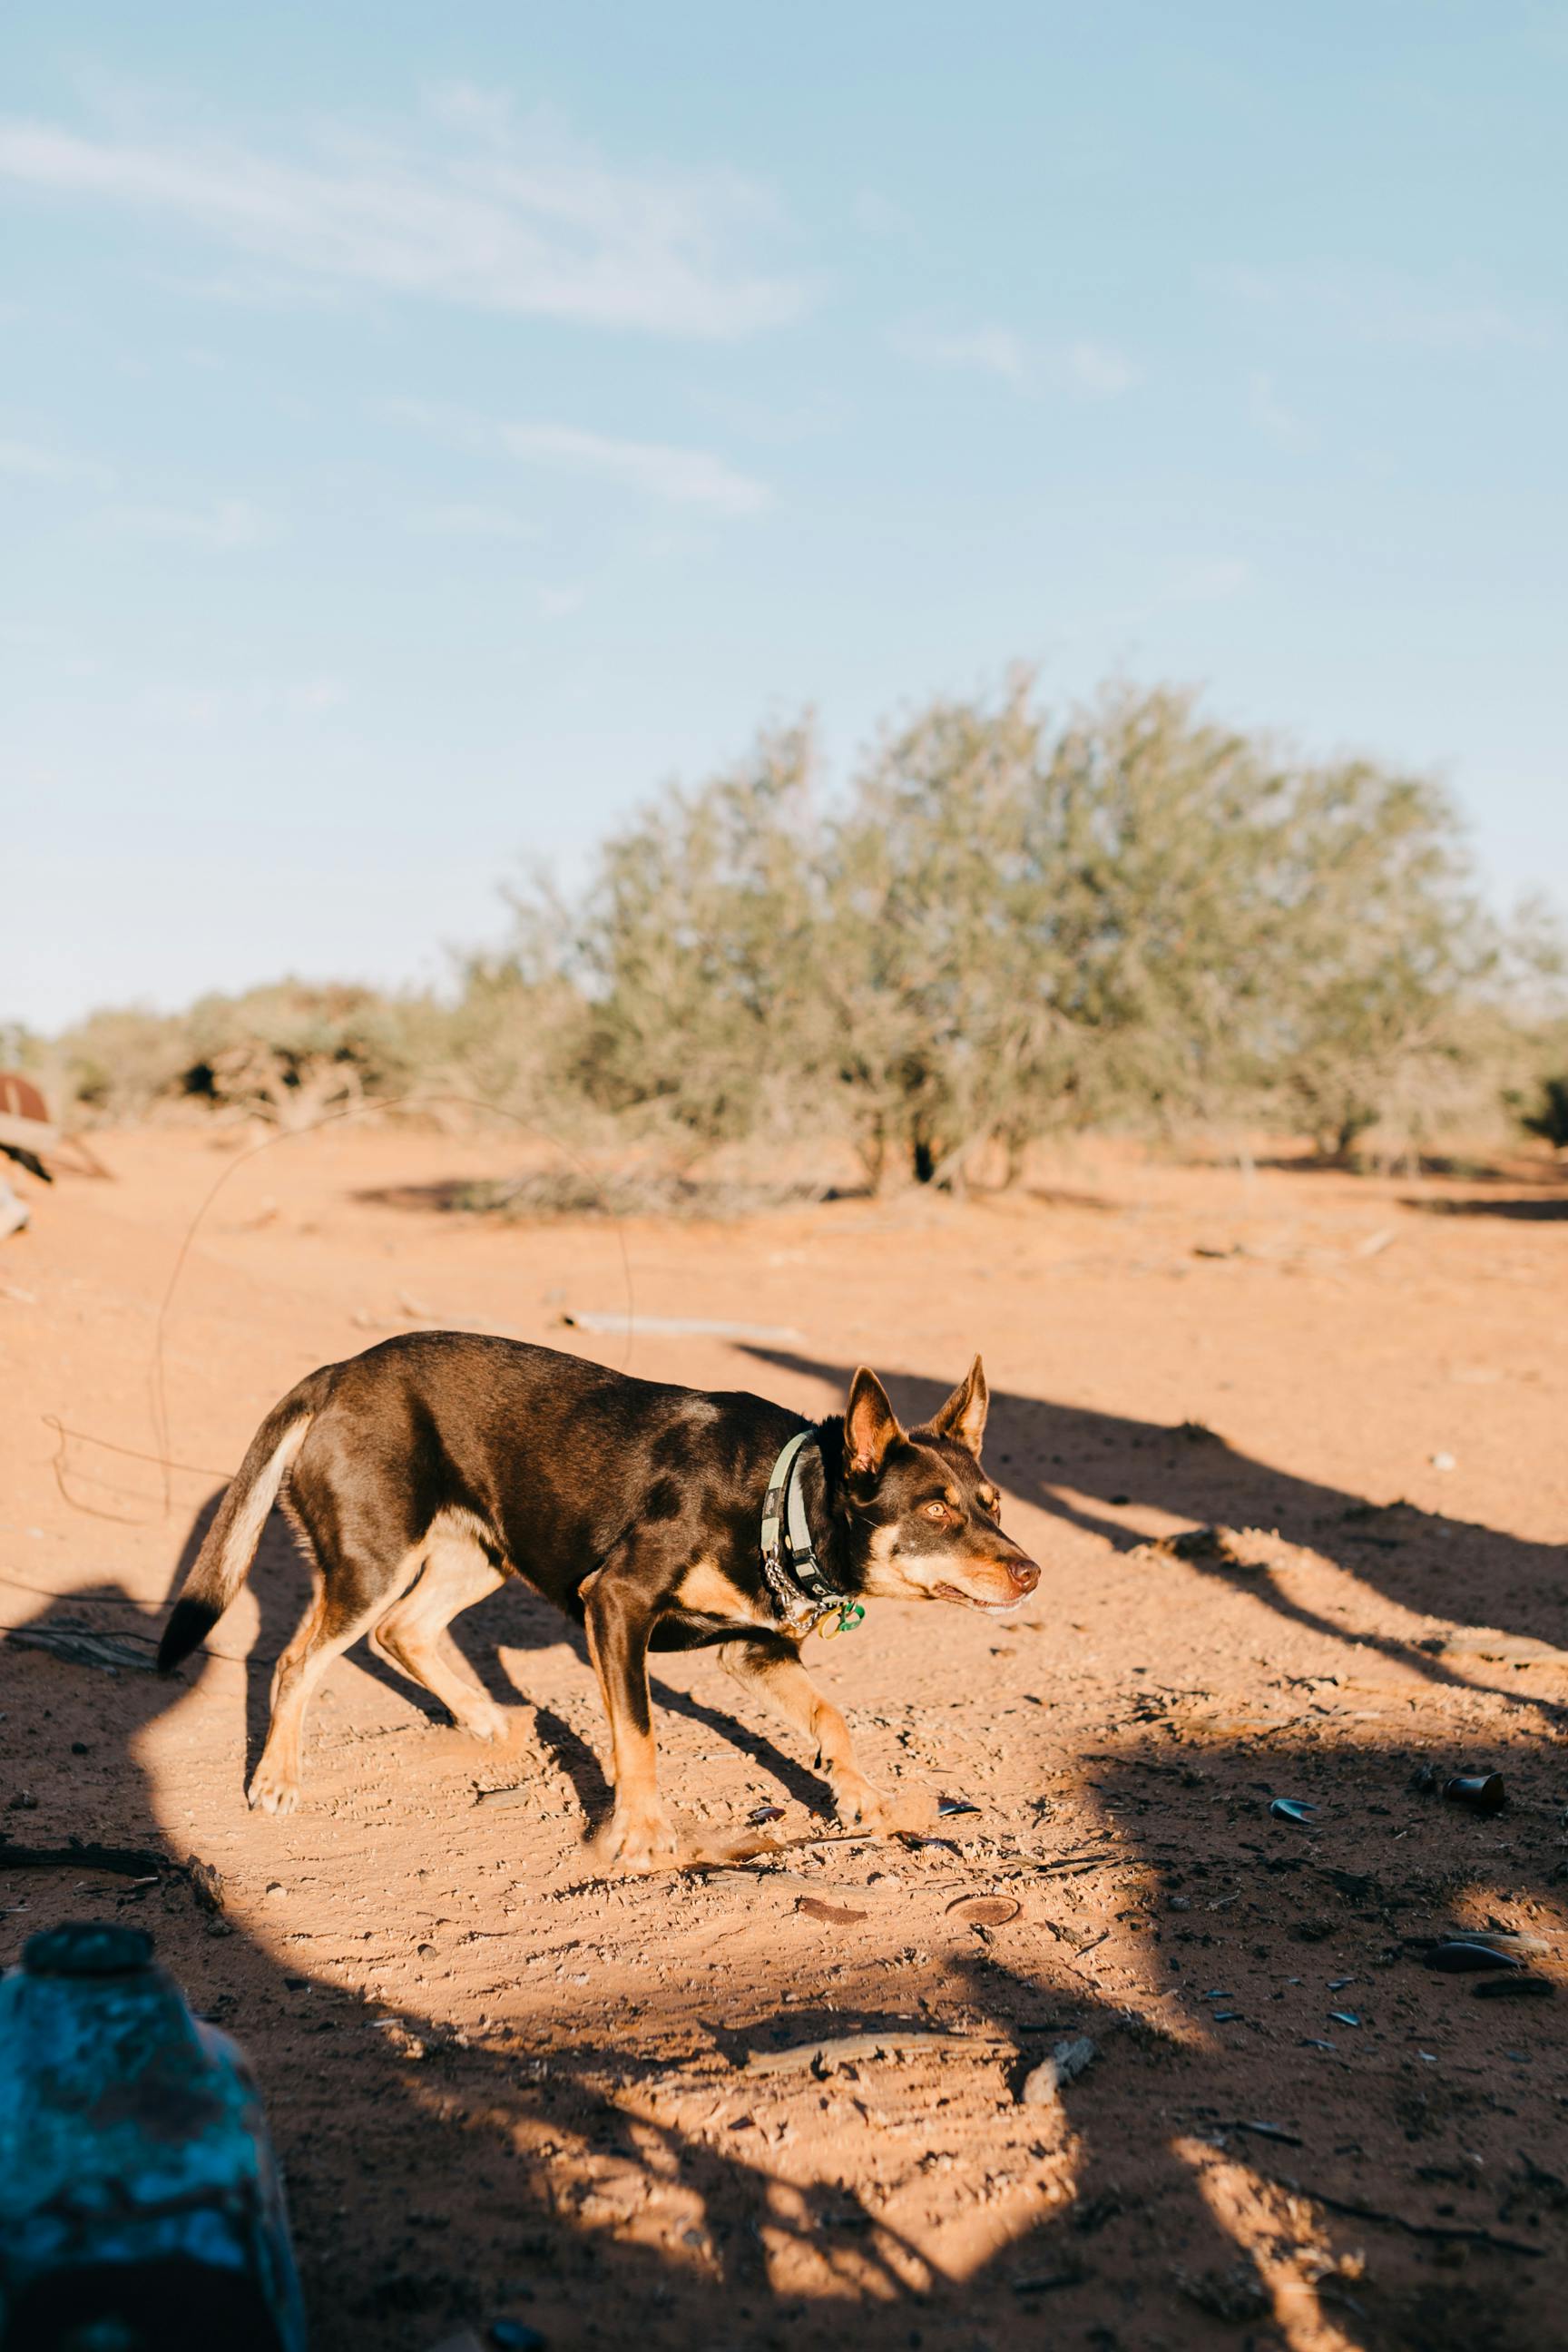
x: 923, y: 1516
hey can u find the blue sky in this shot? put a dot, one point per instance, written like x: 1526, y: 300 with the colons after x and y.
x: 424, y: 431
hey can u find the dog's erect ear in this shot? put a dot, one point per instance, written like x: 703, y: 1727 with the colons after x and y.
x: 964, y: 1415
x: 871, y: 1425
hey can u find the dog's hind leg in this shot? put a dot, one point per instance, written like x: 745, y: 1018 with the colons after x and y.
x: 772, y: 1669
x: 412, y: 1633
x: 337, y: 1614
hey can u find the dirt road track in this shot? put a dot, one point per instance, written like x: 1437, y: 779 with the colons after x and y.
x: 502, y: 2083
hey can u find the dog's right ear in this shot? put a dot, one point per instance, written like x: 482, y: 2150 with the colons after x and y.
x: 871, y: 1425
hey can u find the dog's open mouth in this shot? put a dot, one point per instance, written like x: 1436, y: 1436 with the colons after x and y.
x: 973, y: 1601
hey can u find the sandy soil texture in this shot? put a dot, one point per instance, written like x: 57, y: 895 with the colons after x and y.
x: 1290, y: 1448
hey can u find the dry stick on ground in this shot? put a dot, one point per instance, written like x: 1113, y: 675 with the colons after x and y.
x: 834, y: 2051
x: 1466, y: 2233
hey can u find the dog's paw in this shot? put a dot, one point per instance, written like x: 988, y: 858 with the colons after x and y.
x: 640, y: 1841
x: 485, y: 1720
x: 859, y: 1803
x: 269, y: 1793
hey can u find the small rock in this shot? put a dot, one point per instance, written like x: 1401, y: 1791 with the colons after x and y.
x: 1043, y: 2084
x: 1443, y: 1462
x: 1464, y: 1953
x: 207, y: 1884
x: 400, y: 2039
x: 1292, y: 1809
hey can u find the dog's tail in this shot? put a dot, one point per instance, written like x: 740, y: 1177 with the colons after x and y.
x: 223, y: 1560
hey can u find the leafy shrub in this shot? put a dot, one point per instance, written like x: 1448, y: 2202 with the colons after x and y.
x: 1007, y: 924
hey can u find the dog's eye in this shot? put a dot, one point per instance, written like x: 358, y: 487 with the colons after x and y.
x: 935, y: 1511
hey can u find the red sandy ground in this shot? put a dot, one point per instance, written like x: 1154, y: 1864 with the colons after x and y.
x: 505, y: 2083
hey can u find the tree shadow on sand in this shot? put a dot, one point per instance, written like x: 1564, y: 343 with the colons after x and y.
x: 435, y: 2182
x: 422, y: 2189
x: 1523, y: 1210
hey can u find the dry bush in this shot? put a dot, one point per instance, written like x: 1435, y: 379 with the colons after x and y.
x: 284, y: 1054
x: 116, y: 1065
x: 1008, y: 924
x: 1012, y: 924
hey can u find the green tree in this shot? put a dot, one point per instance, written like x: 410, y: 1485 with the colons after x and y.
x: 694, y: 952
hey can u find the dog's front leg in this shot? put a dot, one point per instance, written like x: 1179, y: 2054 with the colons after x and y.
x: 619, y: 1621
x: 775, y: 1670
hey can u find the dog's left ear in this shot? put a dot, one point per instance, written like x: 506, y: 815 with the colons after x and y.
x: 964, y: 1415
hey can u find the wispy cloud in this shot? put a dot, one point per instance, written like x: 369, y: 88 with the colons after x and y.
x: 658, y: 469
x: 467, y: 203
x: 987, y: 351
x: 1399, y: 312
x: 218, y: 522
x: 685, y: 477
x: 1100, y: 370
x: 1273, y: 417
x: 1211, y: 581
x: 29, y: 461
x: 555, y: 603
x: 225, y: 524
x: 195, y: 707
x: 1084, y: 366
x: 460, y: 519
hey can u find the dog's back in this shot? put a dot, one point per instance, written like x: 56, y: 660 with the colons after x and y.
x: 552, y: 1455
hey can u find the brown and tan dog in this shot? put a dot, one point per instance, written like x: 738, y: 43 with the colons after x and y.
x: 422, y: 1473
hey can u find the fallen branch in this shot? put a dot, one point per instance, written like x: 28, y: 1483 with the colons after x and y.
x: 1456, y: 2231
x: 890, y: 2040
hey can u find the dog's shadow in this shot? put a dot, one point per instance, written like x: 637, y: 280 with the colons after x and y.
x: 515, y: 1619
